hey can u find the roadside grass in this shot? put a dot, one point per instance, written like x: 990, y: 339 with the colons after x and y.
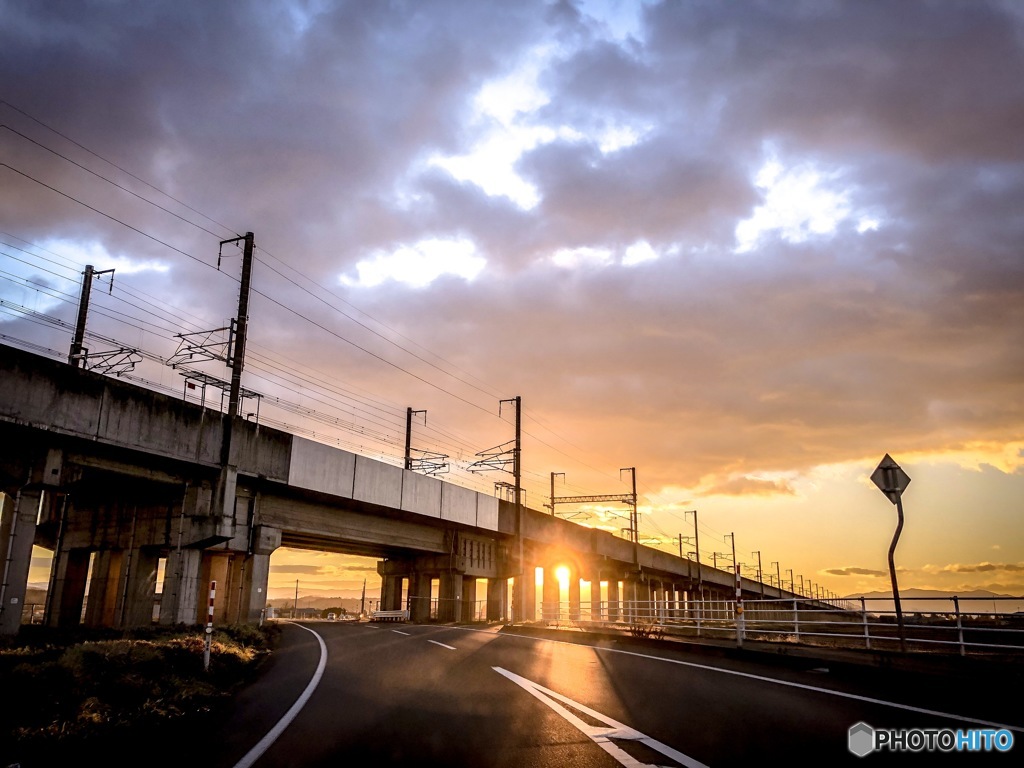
x: 65, y: 693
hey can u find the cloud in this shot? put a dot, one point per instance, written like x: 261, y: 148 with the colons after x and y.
x: 308, y: 570
x: 982, y: 568
x: 611, y: 296
x: 744, y: 486
x: 854, y: 571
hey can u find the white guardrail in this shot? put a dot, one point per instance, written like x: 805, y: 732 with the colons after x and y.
x: 930, y: 624
x: 955, y: 624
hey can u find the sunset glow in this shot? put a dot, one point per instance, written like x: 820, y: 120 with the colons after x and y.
x: 744, y: 249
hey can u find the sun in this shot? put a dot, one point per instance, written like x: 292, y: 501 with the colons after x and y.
x: 562, y: 574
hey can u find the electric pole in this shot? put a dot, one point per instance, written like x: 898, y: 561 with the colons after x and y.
x: 760, y: 577
x: 409, y: 412
x: 517, y: 474
x: 76, y: 352
x: 237, y: 359
x: 552, y: 497
x: 696, y: 547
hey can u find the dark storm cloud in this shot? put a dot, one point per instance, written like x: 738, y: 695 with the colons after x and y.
x: 312, y: 570
x: 313, y: 124
x: 853, y: 571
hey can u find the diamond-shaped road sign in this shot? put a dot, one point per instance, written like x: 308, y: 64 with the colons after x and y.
x: 890, y: 478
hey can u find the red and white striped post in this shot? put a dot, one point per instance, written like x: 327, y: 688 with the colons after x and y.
x: 209, y: 625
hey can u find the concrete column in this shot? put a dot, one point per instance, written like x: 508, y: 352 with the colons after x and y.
x: 643, y: 598
x: 497, y: 597
x: 449, y: 605
x: 138, y: 595
x: 468, y: 600
x: 419, y: 597
x: 66, y: 592
x: 17, y: 534
x: 101, y: 604
x: 614, y: 606
x: 254, y: 591
x: 180, y: 599
x: 525, y: 590
x: 236, y: 589
x: 574, y: 595
x: 216, y: 567
x: 551, y: 608
x: 391, y: 593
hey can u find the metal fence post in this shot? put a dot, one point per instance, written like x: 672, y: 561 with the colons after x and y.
x: 959, y: 626
x: 867, y: 632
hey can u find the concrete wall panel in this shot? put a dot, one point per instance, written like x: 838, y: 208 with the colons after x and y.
x: 458, y: 504
x: 318, y: 467
x: 378, y: 483
x: 487, y: 512
x: 421, y: 494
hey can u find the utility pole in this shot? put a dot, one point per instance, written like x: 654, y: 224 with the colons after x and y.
x: 76, y: 352
x: 760, y: 577
x: 792, y: 585
x: 732, y: 537
x: 497, y: 458
x: 634, y: 519
x: 519, y: 593
x: 696, y: 547
x: 801, y: 577
x: 224, y: 498
x: 237, y: 359
x: 552, y: 497
x: 409, y: 412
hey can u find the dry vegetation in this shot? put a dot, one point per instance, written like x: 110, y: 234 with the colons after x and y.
x: 67, y: 694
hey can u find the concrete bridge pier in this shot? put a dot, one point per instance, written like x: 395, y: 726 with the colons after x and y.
x: 614, y: 605
x: 574, y: 595
x: 17, y: 534
x: 497, y: 599
x: 419, y: 597
x: 179, y: 602
x: 524, y: 595
x: 550, y: 599
x: 391, y: 592
x: 449, y: 604
x: 468, y: 610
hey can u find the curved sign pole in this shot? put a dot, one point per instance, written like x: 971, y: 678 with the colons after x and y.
x: 892, y: 481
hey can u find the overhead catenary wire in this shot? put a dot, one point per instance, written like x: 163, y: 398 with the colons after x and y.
x: 138, y: 323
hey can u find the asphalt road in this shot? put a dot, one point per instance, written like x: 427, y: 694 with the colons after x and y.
x: 358, y: 694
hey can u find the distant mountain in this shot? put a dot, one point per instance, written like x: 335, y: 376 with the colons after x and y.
x: 931, y: 593
x: 972, y: 601
x: 320, y: 603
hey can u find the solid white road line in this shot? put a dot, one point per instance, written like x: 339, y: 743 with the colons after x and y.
x: 449, y: 647
x: 400, y: 632
x: 256, y: 752
x: 602, y: 736
x: 748, y: 675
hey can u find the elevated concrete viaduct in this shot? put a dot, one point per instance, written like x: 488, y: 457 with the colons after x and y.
x: 120, y: 482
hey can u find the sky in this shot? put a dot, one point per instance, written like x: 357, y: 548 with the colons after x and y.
x: 744, y: 249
